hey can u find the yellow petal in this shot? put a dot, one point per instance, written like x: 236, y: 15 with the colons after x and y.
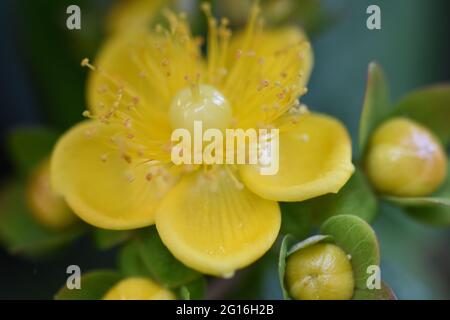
x: 274, y: 41
x: 143, y: 71
x: 314, y: 159
x: 138, y: 289
x: 268, y: 71
x: 100, y: 184
x: 213, y: 224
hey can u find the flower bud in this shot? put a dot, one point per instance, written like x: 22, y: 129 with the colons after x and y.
x: 405, y: 159
x: 48, y: 208
x: 319, y: 272
x: 138, y: 289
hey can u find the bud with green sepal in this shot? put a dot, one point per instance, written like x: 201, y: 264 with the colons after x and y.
x: 333, y: 265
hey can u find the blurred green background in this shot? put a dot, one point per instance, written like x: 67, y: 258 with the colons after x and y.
x: 42, y: 83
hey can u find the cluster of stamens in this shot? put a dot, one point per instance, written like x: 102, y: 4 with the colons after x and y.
x: 164, y: 64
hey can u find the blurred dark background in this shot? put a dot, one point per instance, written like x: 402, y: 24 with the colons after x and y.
x: 42, y: 84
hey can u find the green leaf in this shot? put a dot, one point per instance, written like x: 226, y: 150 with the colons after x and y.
x: 285, y: 244
x: 356, y: 238
x: 59, y: 78
x: 194, y: 290
x: 184, y: 293
x: 434, y: 209
x: 21, y: 234
x: 434, y: 215
x: 29, y: 146
x: 355, y: 198
x: 309, y: 242
x: 384, y: 293
x: 429, y: 106
x: 419, y: 201
x: 107, y: 239
x: 161, y: 264
x: 312, y: 15
x: 296, y: 219
x: 94, y: 285
x: 376, y: 105
x: 130, y: 261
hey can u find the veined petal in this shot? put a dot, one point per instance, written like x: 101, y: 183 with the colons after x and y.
x: 211, y: 223
x: 104, y: 187
x: 268, y: 71
x: 314, y: 159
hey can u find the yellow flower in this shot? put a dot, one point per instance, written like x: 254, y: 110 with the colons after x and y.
x: 320, y: 272
x: 48, y: 208
x: 115, y: 170
x: 405, y: 159
x: 136, y: 288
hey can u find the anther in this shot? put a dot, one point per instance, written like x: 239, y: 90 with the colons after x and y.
x: 104, y: 157
x: 126, y: 157
x: 263, y: 84
x: 85, y: 63
x: 127, y: 123
x: 86, y: 114
x: 129, y: 176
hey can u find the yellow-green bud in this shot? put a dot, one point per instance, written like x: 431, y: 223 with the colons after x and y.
x: 319, y: 272
x: 48, y: 208
x: 405, y: 159
x: 136, y: 288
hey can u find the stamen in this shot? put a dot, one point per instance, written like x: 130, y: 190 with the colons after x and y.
x: 87, y: 114
x: 85, y: 63
x: 127, y: 158
x: 194, y: 85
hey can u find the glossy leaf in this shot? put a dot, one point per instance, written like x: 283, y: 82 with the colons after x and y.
x: 29, y: 146
x: 161, y: 264
x: 384, y: 293
x: 356, y: 238
x: 434, y: 209
x: 21, y: 234
x: 376, y: 105
x: 285, y: 244
x: 429, y: 106
x: 130, y: 261
x: 94, y: 285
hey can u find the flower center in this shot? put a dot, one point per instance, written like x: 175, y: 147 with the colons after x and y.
x: 200, y: 103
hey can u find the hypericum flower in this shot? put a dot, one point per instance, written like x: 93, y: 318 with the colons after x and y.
x: 405, y: 159
x: 319, y: 272
x: 136, y: 288
x: 115, y: 170
x: 48, y: 208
